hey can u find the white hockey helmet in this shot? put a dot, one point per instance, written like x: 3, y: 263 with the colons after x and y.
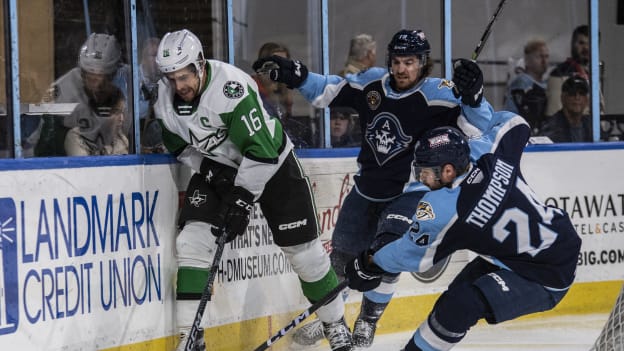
x: 178, y: 50
x: 100, y: 54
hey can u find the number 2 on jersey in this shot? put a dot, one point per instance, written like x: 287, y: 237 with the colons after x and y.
x: 521, y: 220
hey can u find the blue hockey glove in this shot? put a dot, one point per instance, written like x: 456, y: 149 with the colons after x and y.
x: 362, y: 273
x: 234, y: 213
x: 283, y: 70
x: 468, y: 80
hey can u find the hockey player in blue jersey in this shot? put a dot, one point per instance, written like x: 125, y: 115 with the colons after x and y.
x: 527, y: 251
x: 396, y: 104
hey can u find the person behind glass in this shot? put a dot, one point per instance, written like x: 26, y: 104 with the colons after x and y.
x: 278, y: 99
x: 526, y: 93
x: 575, y: 65
x: 341, y: 124
x: 396, y: 104
x: 99, y: 127
x: 149, y: 74
x: 99, y: 70
x: 571, y: 123
x: 362, y: 54
x: 214, y: 123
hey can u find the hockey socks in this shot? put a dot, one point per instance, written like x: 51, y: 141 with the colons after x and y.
x: 314, y: 291
x: 191, y: 282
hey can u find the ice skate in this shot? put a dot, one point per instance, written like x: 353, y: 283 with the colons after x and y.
x: 309, y: 334
x: 364, y: 332
x: 338, y: 335
x: 366, y: 322
x: 200, y: 342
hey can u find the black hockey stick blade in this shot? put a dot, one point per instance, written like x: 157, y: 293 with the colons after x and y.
x: 205, y: 297
x: 488, y: 30
x: 302, y: 316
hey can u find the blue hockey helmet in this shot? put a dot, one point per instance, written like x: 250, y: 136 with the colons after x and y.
x: 408, y: 42
x: 440, y: 146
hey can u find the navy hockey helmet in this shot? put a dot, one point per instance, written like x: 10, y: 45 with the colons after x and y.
x: 440, y: 146
x: 408, y: 42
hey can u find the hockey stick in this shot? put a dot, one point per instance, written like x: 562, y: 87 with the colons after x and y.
x: 189, y: 340
x: 302, y: 316
x: 487, y: 32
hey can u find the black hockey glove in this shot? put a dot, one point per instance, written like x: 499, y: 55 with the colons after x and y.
x: 220, y: 176
x: 468, y: 80
x: 234, y: 213
x: 362, y: 273
x: 283, y: 70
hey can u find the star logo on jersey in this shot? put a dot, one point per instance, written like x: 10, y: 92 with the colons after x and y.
x: 373, y: 99
x: 233, y: 90
x: 424, y: 211
x: 197, y: 199
x: 210, y: 142
x: 386, y: 137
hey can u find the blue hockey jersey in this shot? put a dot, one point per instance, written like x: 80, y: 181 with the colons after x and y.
x: 390, y: 122
x: 491, y: 211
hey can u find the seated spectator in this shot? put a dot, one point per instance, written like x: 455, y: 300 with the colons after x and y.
x: 98, y: 127
x: 362, y: 54
x: 576, y: 65
x: 99, y: 70
x: 526, y: 94
x: 149, y: 74
x: 571, y: 124
x: 342, y: 123
x: 278, y: 99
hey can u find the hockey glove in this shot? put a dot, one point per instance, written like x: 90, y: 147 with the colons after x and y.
x: 234, y: 213
x: 283, y: 70
x: 468, y: 81
x: 220, y: 176
x: 362, y: 273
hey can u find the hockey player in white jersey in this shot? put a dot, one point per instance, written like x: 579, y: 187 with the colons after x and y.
x: 214, y: 122
x: 527, y: 250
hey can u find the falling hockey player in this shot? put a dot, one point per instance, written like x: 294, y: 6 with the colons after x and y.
x: 527, y: 250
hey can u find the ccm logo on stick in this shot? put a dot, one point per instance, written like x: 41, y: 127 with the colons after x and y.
x: 293, y: 225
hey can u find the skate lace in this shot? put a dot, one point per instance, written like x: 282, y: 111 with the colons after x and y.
x: 337, y: 334
x: 363, y: 329
x: 312, y: 330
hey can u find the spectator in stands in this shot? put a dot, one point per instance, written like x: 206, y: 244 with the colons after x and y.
x: 90, y: 84
x: 526, y: 94
x: 342, y: 122
x: 98, y: 127
x: 571, y: 124
x: 362, y: 54
x: 278, y: 99
x: 577, y: 65
x: 149, y: 74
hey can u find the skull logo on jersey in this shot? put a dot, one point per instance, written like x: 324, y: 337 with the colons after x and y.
x: 386, y: 137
